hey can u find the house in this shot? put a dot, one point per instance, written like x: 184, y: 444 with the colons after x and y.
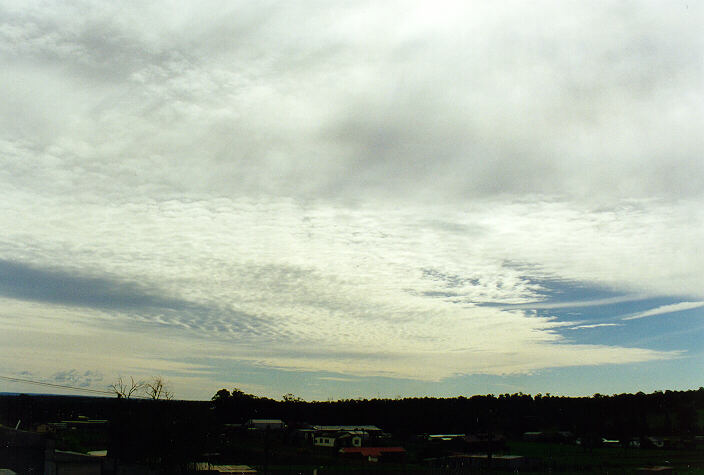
x: 342, y: 436
x: 339, y: 439
x: 370, y: 431
x: 325, y: 439
x: 366, y: 432
x: 304, y: 434
x: 438, y: 445
x: 350, y: 439
x: 82, y: 422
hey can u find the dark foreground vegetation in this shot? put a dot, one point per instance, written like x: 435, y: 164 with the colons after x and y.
x: 615, y: 434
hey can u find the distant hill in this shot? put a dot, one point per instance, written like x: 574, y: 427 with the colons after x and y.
x: 50, y: 395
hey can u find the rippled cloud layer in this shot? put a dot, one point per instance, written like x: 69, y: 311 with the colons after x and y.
x: 357, y: 189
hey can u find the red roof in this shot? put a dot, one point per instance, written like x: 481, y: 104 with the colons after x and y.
x: 372, y: 451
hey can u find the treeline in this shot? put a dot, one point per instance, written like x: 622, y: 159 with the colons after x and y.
x: 617, y: 416
x: 179, y: 432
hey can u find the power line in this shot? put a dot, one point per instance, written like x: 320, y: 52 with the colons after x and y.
x: 54, y: 385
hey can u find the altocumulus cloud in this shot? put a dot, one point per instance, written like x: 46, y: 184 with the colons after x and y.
x: 320, y: 278
x: 341, y: 188
x: 74, y: 378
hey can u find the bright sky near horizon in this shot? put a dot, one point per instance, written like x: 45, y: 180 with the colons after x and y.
x: 344, y: 199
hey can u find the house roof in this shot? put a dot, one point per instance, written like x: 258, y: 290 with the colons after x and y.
x: 231, y: 469
x: 471, y: 438
x: 445, y: 436
x: 372, y: 451
x: 347, y: 428
x: 234, y: 469
x: 70, y: 456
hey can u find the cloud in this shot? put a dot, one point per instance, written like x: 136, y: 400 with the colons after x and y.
x: 581, y: 303
x: 321, y: 288
x: 359, y: 100
x: 596, y: 325
x: 75, y: 378
x: 335, y: 378
x: 62, y: 287
x: 664, y: 309
x: 355, y: 184
x: 20, y: 281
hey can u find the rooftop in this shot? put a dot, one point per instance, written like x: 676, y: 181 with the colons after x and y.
x: 372, y: 451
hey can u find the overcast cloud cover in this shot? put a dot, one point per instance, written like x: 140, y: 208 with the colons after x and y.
x: 357, y: 190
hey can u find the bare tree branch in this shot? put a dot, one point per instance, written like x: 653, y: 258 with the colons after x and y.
x: 156, y: 388
x: 125, y: 389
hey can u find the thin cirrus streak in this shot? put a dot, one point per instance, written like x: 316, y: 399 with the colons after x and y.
x: 665, y: 309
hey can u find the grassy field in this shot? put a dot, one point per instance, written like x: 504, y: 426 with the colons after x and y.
x: 564, y: 458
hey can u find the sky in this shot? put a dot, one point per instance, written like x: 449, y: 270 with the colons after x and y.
x: 349, y: 199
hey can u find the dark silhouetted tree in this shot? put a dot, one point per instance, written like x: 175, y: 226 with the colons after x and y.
x: 157, y: 388
x: 126, y: 389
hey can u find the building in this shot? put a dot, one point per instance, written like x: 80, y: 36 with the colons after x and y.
x: 343, y: 436
x: 265, y: 424
x: 31, y: 452
x: 339, y: 439
x: 366, y: 432
x: 230, y: 469
x: 26, y: 452
x: 304, y: 435
x: 371, y: 431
